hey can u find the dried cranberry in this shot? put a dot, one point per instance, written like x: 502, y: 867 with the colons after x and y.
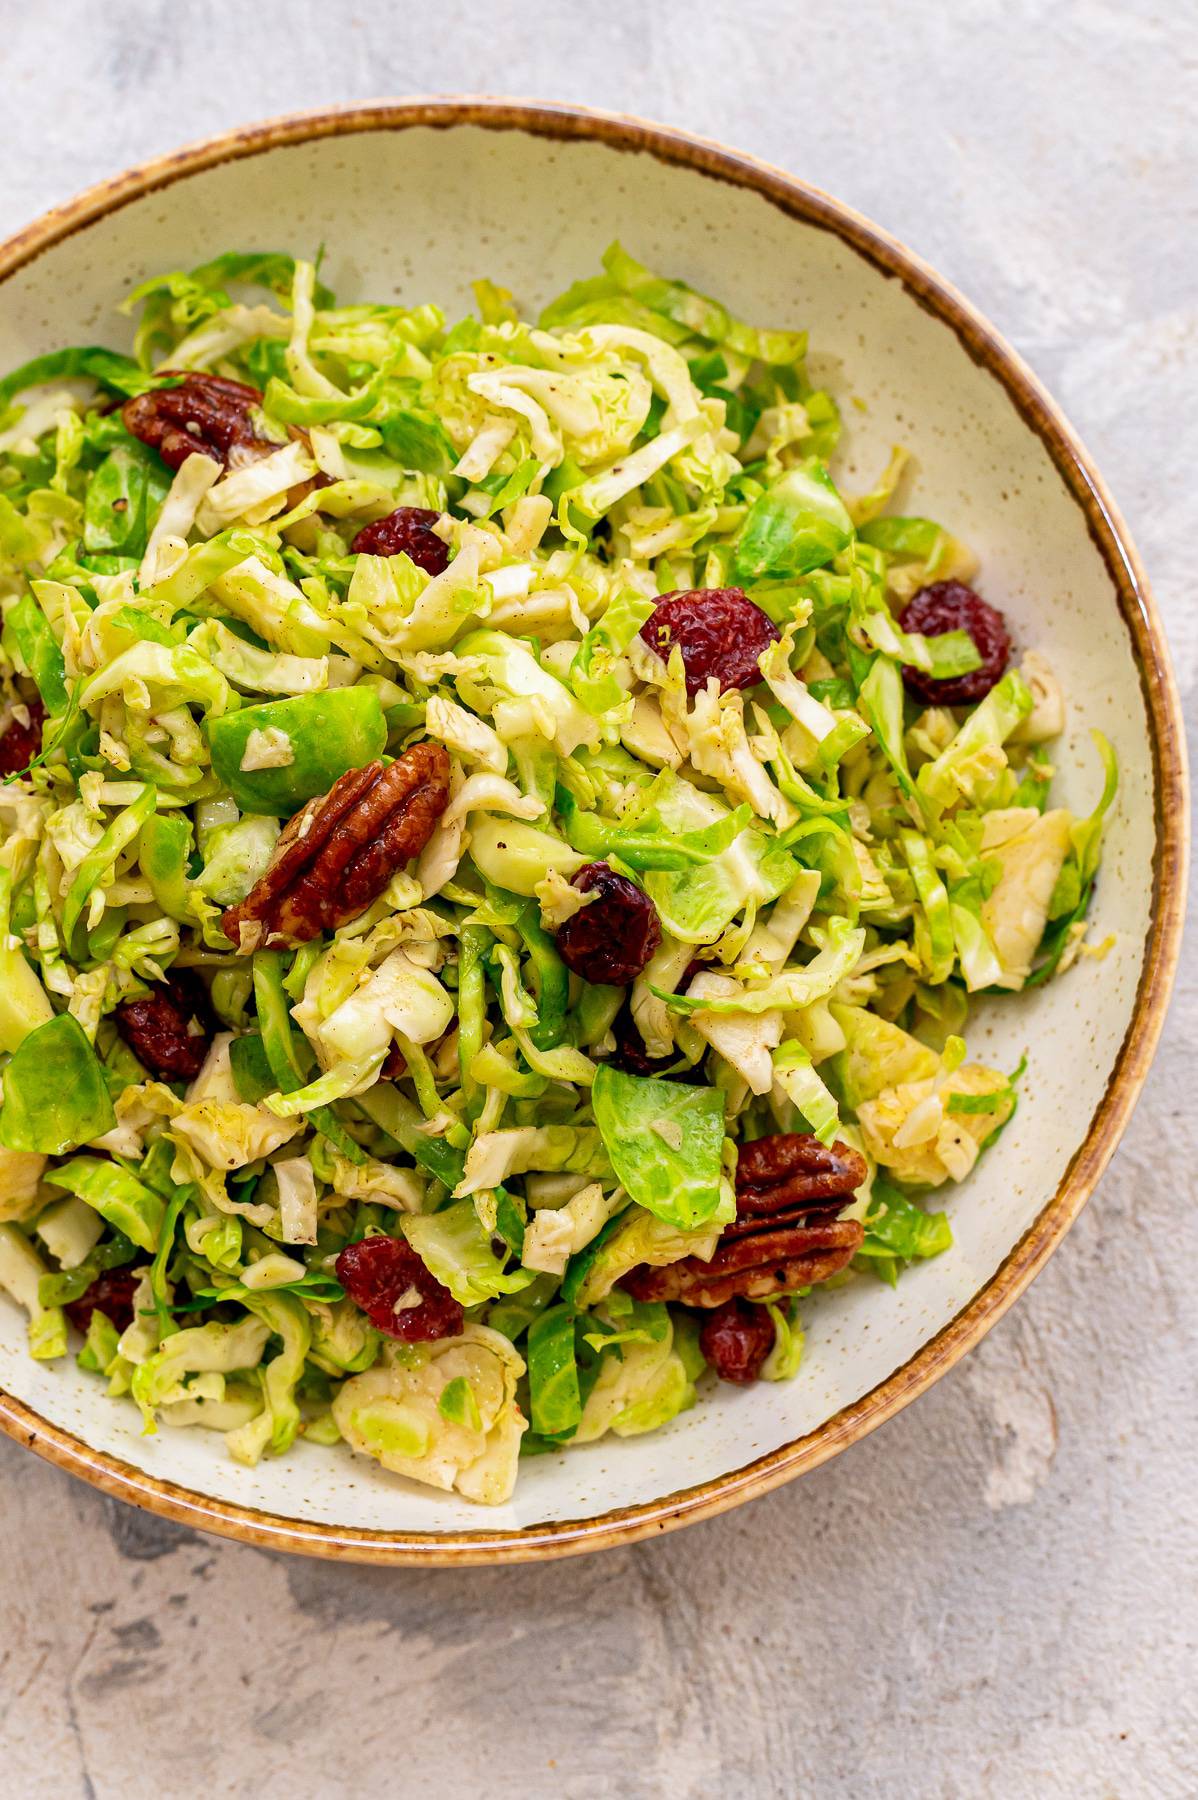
x: 611, y: 938
x: 378, y: 1272
x: 19, y: 744
x: 719, y: 632
x: 169, y: 1029
x: 736, y: 1338
x: 205, y: 413
x: 410, y: 529
x: 630, y: 1053
x: 111, y: 1294
x: 951, y: 606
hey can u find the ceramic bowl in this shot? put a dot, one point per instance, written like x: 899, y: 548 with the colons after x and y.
x: 417, y: 199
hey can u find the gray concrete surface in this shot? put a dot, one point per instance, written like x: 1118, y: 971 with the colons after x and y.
x: 996, y: 1594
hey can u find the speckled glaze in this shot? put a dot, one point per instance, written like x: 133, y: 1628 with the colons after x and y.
x: 407, y: 200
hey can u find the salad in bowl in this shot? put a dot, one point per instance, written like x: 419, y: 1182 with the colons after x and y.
x: 496, y: 854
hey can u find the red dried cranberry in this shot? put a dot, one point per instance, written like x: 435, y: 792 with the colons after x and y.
x: 410, y: 529
x: 205, y: 413
x: 19, y: 744
x: 719, y: 632
x: 111, y: 1294
x: 630, y: 1053
x: 377, y: 1272
x: 610, y: 939
x: 169, y: 1029
x: 951, y: 606
x: 736, y: 1338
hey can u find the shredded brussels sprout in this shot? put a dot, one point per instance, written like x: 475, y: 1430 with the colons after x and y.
x: 536, y: 1106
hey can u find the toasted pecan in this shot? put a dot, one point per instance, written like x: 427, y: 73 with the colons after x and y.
x: 792, y: 1171
x: 753, y: 1268
x: 782, y: 1237
x: 337, y: 854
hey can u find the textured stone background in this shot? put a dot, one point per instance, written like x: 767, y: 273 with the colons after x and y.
x: 995, y: 1595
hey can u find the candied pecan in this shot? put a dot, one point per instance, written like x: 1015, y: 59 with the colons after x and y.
x: 19, y: 744
x: 205, y: 412
x: 755, y: 1266
x: 394, y: 1064
x: 951, y: 606
x: 719, y: 631
x: 408, y: 529
x: 609, y: 940
x: 111, y: 1294
x: 792, y: 1171
x: 385, y: 1277
x: 169, y: 1029
x: 340, y: 850
x: 736, y: 1338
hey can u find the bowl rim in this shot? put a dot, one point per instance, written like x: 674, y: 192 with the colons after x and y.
x: 989, y: 349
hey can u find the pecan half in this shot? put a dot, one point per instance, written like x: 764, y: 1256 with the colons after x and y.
x: 793, y: 1171
x: 755, y: 1267
x: 337, y: 854
x: 773, y: 1246
x: 312, y: 485
x: 205, y: 412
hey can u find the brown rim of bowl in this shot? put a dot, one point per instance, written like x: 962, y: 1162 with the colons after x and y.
x: 1162, y: 949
